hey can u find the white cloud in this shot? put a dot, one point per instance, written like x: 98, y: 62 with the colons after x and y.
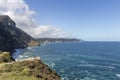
x: 49, y: 31
x: 19, y: 11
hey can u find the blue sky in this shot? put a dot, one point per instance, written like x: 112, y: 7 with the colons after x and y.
x: 92, y: 20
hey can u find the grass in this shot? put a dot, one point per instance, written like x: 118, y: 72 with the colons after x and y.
x: 5, y: 57
x: 27, y: 70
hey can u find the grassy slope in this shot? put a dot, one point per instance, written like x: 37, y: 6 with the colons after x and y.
x: 27, y: 70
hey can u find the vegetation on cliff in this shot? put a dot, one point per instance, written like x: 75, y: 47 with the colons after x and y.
x: 32, y: 69
x: 5, y: 57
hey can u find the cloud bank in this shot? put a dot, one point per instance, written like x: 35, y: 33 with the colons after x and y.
x: 20, y: 12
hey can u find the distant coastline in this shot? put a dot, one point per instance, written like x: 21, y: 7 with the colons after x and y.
x: 57, y: 40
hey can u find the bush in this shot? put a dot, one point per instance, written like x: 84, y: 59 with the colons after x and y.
x: 5, y: 57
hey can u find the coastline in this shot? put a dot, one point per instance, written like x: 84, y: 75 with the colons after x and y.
x: 29, y: 69
x: 12, y: 41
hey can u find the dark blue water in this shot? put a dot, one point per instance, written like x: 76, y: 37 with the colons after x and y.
x: 80, y: 61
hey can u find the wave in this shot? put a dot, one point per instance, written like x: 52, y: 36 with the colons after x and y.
x: 118, y: 75
x: 65, y: 78
x: 53, y: 64
x: 22, y: 56
x: 16, y: 53
x: 30, y: 48
x: 95, y: 66
x: 86, y: 78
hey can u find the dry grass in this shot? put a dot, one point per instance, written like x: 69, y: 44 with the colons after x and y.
x: 27, y: 70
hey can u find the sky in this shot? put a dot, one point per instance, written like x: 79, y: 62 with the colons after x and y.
x: 90, y: 20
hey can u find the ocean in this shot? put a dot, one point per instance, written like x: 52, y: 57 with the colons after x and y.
x: 79, y: 61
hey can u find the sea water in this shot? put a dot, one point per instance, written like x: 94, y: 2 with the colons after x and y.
x: 80, y: 61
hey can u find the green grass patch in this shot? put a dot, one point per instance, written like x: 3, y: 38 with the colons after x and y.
x: 27, y: 70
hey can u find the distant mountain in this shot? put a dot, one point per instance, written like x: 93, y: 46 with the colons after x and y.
x: 12, y: 37
x: 49, y: 40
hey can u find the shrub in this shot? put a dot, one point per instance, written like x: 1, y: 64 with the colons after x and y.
x: 5, y: 57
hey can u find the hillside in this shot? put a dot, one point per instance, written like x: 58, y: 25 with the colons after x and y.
x: 12, y: 37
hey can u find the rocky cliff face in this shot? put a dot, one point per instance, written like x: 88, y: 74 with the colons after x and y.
x: 12, y: 37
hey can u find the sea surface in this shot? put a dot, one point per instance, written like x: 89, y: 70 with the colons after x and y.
x: 80, y: 61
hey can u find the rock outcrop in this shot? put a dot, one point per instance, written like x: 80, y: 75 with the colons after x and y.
x: 12, y: 37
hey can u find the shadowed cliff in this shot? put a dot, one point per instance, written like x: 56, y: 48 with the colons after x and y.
x: 12, y: 37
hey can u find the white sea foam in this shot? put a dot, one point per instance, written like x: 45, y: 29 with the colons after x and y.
x: 26, y: 53
x: 97, y: 66
x: 58, y: 59
x: 82, y: 61
x: 65, y: 78
x: 118, y: 75
x: 30, y: 58
x: 77, y: 79
x: 16, y: 53
x: 62, y: 71
x: 22, y: 56
x: 30, y: 48
x: 53, y: 64
x: 87, y: 78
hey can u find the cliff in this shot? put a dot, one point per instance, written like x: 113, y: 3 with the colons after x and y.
x: 12, y: 37
x: 30, y: 69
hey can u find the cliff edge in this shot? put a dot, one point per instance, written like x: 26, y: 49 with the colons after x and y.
x: 12, y: 37
x: 29, y: 69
